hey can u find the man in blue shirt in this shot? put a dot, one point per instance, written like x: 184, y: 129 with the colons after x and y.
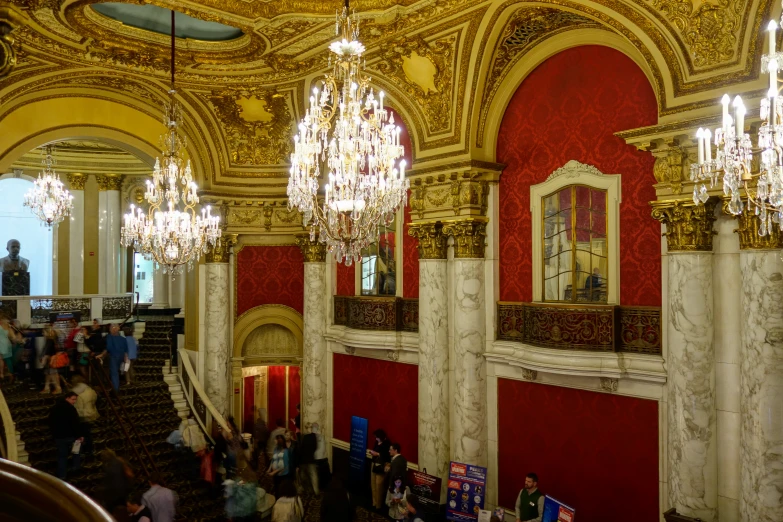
x: 117, y: 348
x: 133, y: 353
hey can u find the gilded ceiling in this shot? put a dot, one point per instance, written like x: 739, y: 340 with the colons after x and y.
x: 446, y: 65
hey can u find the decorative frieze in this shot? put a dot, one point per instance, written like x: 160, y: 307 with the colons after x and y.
x: 221, y: 252
x: 444, y: 191
x: 433, y: 244
x: 76, y: 180
x: 609, y: 385
x: 109, y: 182
x: 688, y: 226
x: 313, y: 250
x: 470, y: 237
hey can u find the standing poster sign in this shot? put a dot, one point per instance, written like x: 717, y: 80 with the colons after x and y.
x: 358, y: 453
x: 426, y: 488
x: 556, y: 511
x: 467, y: 486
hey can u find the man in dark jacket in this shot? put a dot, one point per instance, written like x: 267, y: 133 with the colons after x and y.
x: 399, y: 466
x: 66, y: 429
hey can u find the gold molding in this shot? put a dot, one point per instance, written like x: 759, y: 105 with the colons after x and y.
x: 76, y: 180
x: 221, y: 252
x: 747, y: 230
x: 109, y: 182
x: 433, y: 243
x: 470, y: 237
x: 688, y: 226
x: 313, y: 250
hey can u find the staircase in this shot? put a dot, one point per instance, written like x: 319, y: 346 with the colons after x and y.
x: 149, y: 403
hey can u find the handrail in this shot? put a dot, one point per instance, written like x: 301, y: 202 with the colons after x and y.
x: 8, y: 445
x: 100, y: 370
x: 192, y: 388
x: 29, y: 494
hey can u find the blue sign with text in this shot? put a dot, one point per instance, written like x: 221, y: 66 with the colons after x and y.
x: 358, y: 454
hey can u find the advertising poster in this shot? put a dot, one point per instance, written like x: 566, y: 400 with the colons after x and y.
x: 466, y: 488
x: 358, y: 453
x: 556, y: 511
x: 427, y: 488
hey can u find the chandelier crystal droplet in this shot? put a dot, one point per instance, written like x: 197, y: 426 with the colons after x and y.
x: 48, y: 199
x: 171, y: 231
x: 347, y: 134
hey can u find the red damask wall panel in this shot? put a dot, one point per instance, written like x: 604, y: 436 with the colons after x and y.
x: 577, y: 441
x: 276, y: 397
x: 569, y: 108
x: 383, y: 392
x: 346, y: 279
x: 270, y: 275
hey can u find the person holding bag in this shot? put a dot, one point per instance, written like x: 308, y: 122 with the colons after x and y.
x: 53, y: 361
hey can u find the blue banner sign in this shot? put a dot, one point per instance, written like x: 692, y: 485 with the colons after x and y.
x: 358, y: 454
x: 467, y: 487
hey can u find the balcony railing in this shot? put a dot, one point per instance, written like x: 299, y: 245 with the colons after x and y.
x: 377, y: 313
x: 603, y: 328
x: 37, y: 310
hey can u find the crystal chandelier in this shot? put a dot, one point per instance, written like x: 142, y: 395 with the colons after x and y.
x: 171, y: 231
x: 733, y: 152
x: 49, y: 200
x: 347, y: 133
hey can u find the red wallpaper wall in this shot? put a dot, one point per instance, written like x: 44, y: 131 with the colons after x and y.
x: 579, y: 443
x: 569, y: 108
x: 294, y: 393
x: 383, y: 392
x: 346, y: 282
x: 270, y: 275
x: 276, y: 397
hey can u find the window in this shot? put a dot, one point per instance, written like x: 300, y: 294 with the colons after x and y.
x: 576, y: 230
x: 575, y: 253
x: 378, y: 264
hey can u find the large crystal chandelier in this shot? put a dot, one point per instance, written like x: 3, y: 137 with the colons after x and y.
x: 171, y: 231
x: 347, y: 133
x: 48, y: 199
x: 733, y: 152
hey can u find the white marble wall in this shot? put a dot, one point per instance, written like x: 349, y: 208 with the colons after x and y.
x: 314, y: 356
x: 469, y: 397
x: 692, y: 447
x: 216, y: 327
x: 433, y: 368
x: 761, y: 379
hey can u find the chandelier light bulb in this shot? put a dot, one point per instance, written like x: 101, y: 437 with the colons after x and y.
x: 48, y: 199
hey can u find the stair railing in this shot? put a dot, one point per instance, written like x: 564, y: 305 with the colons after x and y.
x: 104, y: 381
x: 203, y: 410
x: 7, y: 433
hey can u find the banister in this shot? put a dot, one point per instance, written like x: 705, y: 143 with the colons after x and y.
x: 29, y: 494
x: 194, y: 392
x: 9, y: 431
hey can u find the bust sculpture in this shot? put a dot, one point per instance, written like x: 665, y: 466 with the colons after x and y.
x: 13, y: 261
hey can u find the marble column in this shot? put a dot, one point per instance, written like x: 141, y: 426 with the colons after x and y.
x: 76, y: 182
x: 110, y: 225
x: 216, y: 326
x: 433, y: 350
x: 160, y: 287
x: 692, y: 444
x: 314, y: 349
x: 761, y: 374
x: 466, y: 357
x: 177, y: 291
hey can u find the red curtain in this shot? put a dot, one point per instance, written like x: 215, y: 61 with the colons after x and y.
x: 249, y: 403
x: 294, y: 392
x: 577, y: 441
x: 383, y: 392
x: 276, y: 396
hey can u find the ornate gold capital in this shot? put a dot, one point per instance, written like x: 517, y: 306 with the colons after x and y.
x: 688, y: 226
x: 470, y: 237
x: 748, y: 224
x: 432, y: 240
x: 313, y: 251
x: 221, y: 252
x: 109, y: 182
x: 77, y: 180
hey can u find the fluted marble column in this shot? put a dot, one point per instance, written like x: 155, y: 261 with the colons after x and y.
x: 76, y: 183
x: 216, y: 326
x: 761, y: 375
x: 110, y: 225
x: 314, y: 349
x: 692, y: 444
x: 469, y: 398
x: 433, y: 350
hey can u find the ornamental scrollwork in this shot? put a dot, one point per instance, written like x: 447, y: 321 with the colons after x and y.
x: 40, y: 309
x: 116, y: 308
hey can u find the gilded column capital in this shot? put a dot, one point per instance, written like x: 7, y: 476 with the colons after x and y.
x: 76, y: 180
x: 688, y: 226
x: 748, y: 224
x: 221, y: 252
x: 470, y: 237
x: 433, y: 243
x: 109, y: 182
x: 313, y: 250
